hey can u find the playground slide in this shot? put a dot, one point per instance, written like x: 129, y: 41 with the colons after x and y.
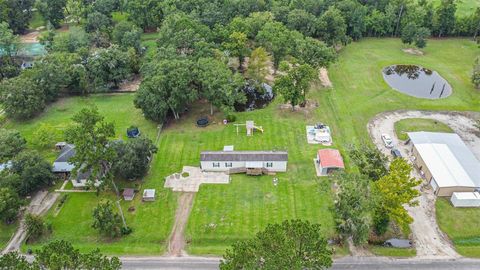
x: 258, y: 128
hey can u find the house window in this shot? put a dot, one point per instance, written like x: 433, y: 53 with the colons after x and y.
x: 228, y: 164
x: 216, y: 165
x: 269, y: 164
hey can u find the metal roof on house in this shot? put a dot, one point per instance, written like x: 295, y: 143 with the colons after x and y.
x: 330, y: 158
x: 244, y: 156
x: 61, y: 164
x: 448, y: 158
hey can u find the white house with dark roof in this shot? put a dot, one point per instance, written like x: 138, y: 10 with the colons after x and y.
x: 62, y: 164
x: 251, y: 162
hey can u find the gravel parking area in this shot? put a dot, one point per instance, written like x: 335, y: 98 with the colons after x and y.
x: 429, y: 241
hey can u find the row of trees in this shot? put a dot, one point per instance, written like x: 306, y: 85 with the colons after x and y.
x: 374, y: 197
x: 58, y: 255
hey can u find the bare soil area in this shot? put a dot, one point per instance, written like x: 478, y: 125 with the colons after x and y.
x: 31, y: 37
x: 177, y: 243
x: 324, y: 79
x: 429, y: 241
x: 413, y: 51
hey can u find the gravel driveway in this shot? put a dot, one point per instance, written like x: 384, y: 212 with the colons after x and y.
x: 429, y: 241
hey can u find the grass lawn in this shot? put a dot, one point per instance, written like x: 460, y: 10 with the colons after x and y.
x: 6, y: 232
x: 461, y: 225
x: 464, y: 7
x: 37, y: 20
x: 418, y: 124
x: 224, y: 213
x: 151, y: 222
x: 393, y: 252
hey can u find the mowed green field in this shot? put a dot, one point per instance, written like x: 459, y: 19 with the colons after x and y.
x: 222, y: 214
x: 464, y: 7
x: 461, y: 225
x: 151, y: 222
x: 419, y: 124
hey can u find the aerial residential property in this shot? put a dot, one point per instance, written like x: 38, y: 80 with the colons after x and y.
x: 279, y: 134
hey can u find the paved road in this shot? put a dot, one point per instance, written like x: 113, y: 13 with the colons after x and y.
x: 364, y: 263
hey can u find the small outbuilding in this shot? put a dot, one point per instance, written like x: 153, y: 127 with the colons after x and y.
x: 328, y: 161
x: 128, y: 194
x: 62, y: 164
x: 148, y: 195
x: 465, y: 199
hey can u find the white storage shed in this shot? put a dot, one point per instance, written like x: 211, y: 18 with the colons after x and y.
x: 465, y: 199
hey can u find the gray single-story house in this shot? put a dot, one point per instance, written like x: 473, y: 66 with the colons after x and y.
x: 250, y: 162
x: 62, y: 165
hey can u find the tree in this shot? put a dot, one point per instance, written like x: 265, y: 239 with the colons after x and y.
x: 15, y: 261
x: 294, y: 244
x: 17, y: 14
x: 72, y: 41
x: 184, y: 33
x: 444, y: 19
x: 167, y: 86
x: 33, y: 170
x: 333, y: 27
x: 106, y: 68
x: 8, y: 40
x: 11, y: 143
x: 52, y: 10
x: 302, y: 21
x: 35, y: 226
x: 146, y: 14
x: 59, y: 72
x: 258, y: 65
x: 74, y: 10
x: 60, y: 254
x: 314, y: 52
x: 127, y: 35
x: 9, y: 204
x: 106, y: 220
x: 411, y: 33
x: 476, y: 73
x: 276, y: 38
x: 97, y: 21
x: 354, y: 14
x: 421, y: 37
x: 369, y: 161
x: 237, y: 46
x: 218, y: 84
x: 20, y: 97
x: 394, y: 190
x: 133, y: 157
x: 295, y: 84
x: 352, y: 207
x: 91, y: 135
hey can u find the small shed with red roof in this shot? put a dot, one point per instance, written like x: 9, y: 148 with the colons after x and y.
x: 328, y: 161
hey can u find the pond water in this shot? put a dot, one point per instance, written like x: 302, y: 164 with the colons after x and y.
x: 257, y: 97
x: 28, y: 50
x: 417, y: 81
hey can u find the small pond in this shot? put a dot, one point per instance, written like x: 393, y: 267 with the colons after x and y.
x: 257, y: 97
x: 417, y: 81
x: 28, y: 50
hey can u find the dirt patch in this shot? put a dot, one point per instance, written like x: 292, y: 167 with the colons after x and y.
x: 31, y: 37
x: 429, y: 240
x: 131, y: 85
x: 324, y: 79
x: 309, y: 105
x: 413, y: 51
x: 176, y: 244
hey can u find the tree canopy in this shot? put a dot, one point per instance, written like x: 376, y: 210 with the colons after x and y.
x: 293, y: 244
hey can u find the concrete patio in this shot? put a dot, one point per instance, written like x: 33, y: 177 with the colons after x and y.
x: 190, y: 179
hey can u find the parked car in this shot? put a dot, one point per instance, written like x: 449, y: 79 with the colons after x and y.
x: 396, y: 153
x: 387, y: 140
x: 398, y: 243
